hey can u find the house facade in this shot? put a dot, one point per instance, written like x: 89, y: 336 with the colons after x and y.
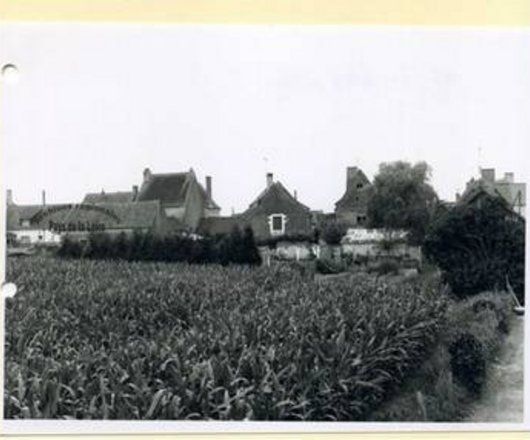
x: 351, y: 209
x: 276, y: 212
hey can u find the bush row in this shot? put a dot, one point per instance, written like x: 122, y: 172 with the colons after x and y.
x: 238, y: 247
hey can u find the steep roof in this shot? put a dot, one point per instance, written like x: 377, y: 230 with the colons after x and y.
x: 480, y: 191
x: 479, y: 188
x: 274, y: 198
x: 109, y: 197
x: 209, y: 201
x: 168, y: 188
x: 354, y: 195
x: 171, y: 188
x: 119, y: 215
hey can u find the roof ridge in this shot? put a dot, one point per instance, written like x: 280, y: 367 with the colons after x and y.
x: 178, y: 173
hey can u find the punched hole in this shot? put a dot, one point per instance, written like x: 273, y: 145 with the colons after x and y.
x: 10, y: 73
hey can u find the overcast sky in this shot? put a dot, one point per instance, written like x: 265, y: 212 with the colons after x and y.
x: 96, y: 104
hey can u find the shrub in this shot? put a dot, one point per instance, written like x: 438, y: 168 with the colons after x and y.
x: 468, y: 363
x: 328, y: 266
x: 478, y: 246
x: 386, y: 267
x: 453, y: 376
x: 333, y: 232
x: 70, y: 248
x: 272, y: 242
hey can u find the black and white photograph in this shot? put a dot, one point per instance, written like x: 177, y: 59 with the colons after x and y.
x: 227, y: 226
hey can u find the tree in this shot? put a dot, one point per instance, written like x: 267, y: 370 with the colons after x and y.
x: 478, y: 247
x: 402, y: 198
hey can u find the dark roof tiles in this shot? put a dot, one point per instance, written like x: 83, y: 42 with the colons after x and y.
x: 111, y: 197
x: 168, y: 188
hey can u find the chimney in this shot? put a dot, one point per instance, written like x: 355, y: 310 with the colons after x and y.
x: 134, y: 192
x: 488, y: 174
x: 457, y: 196
x: 43, y: 198
x: 209, y: 187
x: 508, y: 177
x: 269, y: 180
x: 295, y: 195
x: 9, y: 197
x: 147, y: 175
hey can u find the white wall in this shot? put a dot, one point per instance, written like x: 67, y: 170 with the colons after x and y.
x: 34, y: 236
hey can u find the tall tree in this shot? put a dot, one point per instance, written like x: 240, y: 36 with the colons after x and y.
x: 402, y: 198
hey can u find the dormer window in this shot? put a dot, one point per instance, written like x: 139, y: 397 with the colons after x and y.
x: 277, y: 224
x: 24, y: 223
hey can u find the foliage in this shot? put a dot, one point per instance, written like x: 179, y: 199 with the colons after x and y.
x: 387, y: 267
x: 468, y: 362
x: 478, y: 246
x: 450, y: 380
x: 91, y: 339
x: 329, y: 266
x: 237, y: 248
x: 271, y: 242
x: 402, y: 198
x: 332, y: 232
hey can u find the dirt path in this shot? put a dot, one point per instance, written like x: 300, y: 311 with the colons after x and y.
x: 503, y: 396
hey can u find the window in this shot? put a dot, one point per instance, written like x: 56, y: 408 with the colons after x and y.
x: 359, y: 185
x: 277, y: 224
x: 24, y: 223
x: 361, y: 219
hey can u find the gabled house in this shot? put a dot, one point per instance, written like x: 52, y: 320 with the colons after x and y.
x: 514, y: 193
x: 275, y: 212
x: 352, y: 207
x: 182, y: 198
x: 479, y: 193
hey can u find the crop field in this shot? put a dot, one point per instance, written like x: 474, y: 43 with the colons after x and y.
x: 122, y: 340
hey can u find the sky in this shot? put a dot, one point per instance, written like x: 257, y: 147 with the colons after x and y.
x: 96, y: 104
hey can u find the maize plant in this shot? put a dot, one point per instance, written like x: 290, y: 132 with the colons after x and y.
x: 124, y: 340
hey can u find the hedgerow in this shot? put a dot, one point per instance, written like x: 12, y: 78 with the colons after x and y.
x: 237, y: 247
